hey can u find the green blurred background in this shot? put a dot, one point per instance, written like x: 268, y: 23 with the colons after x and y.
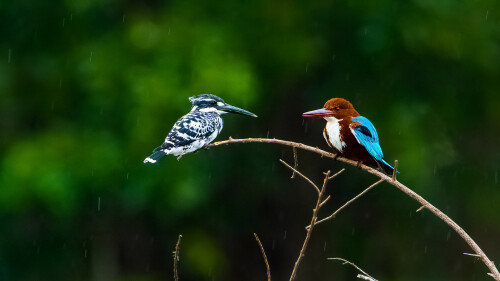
x: 88, y: 88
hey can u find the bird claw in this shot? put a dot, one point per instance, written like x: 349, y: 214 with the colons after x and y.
x: 178, y: 158
x: 359, y: 164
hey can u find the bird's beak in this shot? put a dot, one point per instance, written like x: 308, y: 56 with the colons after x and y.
x: 234, y: 109
x: 319, y: 113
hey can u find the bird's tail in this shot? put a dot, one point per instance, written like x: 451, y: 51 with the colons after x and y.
x: 386, y: 168
x: 155, y: 156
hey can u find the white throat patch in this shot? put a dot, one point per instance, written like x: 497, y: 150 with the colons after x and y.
x: 333, y: 131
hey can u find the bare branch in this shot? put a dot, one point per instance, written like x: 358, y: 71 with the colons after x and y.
x: 176, y: 257
x: 336, y: 174
x: 300, y: 174
x: 491, y: 266
x: 324, y: 201
x: 313, y: 221
x: 364, y: 276
x: 348, y: 202
x: 295, y: 161
x: 268, y: 270
x: 395, y: 172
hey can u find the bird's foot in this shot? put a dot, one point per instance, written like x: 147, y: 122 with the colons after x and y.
x: 178, y: 158
x: 359, y: 164
x: 336, y: 157
x: 206, y: 147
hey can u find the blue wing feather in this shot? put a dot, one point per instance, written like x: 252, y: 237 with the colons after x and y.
x: 367, y: 136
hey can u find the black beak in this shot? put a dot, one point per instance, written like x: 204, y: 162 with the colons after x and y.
x: 234, y: 109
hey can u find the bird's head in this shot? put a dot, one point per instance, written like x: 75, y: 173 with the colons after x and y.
x: 212, y: 103
x: 337, y: 107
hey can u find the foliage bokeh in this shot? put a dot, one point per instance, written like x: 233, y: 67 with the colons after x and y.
x: 88, y: 88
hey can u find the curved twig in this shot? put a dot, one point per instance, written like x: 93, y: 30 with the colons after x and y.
x: 491, y: 266
x: 268, y: 270
x: 364, y: 276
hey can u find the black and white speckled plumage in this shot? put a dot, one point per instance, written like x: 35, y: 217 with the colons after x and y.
x: 192, y: 132
x: 196, y: 129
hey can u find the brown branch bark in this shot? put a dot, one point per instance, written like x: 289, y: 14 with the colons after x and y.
x: 176, y: 258
x: 268, y: 270
x: 348, y: 202
x: 482, y: 256
x: 364, y: 276
x: 314, y: 217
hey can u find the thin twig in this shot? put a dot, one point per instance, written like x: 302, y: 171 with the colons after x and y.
x: 364, y: 276
x: 324, y: 201
x: 300, y: 174
x: 176, y: 257
x: 268, y: 270
x: 348, y: 202
x: 314, y: 215
x: 395, y: 172
x: 295, y: 161
x: 489, y: 263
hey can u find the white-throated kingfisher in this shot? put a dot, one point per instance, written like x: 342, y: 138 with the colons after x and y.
x: 350, y: 134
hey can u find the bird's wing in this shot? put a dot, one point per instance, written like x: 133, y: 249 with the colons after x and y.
x: 189, y: 128
x: 366, y: 135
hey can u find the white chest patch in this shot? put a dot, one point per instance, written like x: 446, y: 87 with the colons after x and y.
x: 333, y: 131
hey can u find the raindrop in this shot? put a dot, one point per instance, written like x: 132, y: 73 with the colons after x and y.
x: 324, y: 247
x: 99, y: 203
x: 85, y: 253
x: 123, y: 18
x: 307, y: 67
x: 333, y: 58
x: 425, y: 249
x: 63, y: 22
x: 448, y: 235
x: 352, y: 231
x: 284, y: 238
x: 91, y: 54
x: 487, y: 13
x: 168, y: 31
x: 127, y: 175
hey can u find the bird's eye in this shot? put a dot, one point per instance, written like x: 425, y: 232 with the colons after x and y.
x: 213, y: 102
x: 337, y: 108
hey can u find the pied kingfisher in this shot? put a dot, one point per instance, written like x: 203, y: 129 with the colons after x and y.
x: 196, y: 129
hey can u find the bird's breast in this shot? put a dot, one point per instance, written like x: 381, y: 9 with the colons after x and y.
x: 332, y: 134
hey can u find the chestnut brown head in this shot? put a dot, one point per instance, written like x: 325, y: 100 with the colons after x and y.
x: 336, y: 107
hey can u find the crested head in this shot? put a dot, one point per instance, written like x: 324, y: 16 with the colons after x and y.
x: 205, y: 97
x: 213, y: 104
x: 338, y: 108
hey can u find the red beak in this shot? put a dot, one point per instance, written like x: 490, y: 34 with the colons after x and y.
x: 319, y: 113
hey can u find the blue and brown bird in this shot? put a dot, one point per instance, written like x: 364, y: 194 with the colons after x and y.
x: 196, y: 129
x: 350, y: 134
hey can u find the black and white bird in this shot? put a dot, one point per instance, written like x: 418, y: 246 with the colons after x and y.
x: 196, y: 129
